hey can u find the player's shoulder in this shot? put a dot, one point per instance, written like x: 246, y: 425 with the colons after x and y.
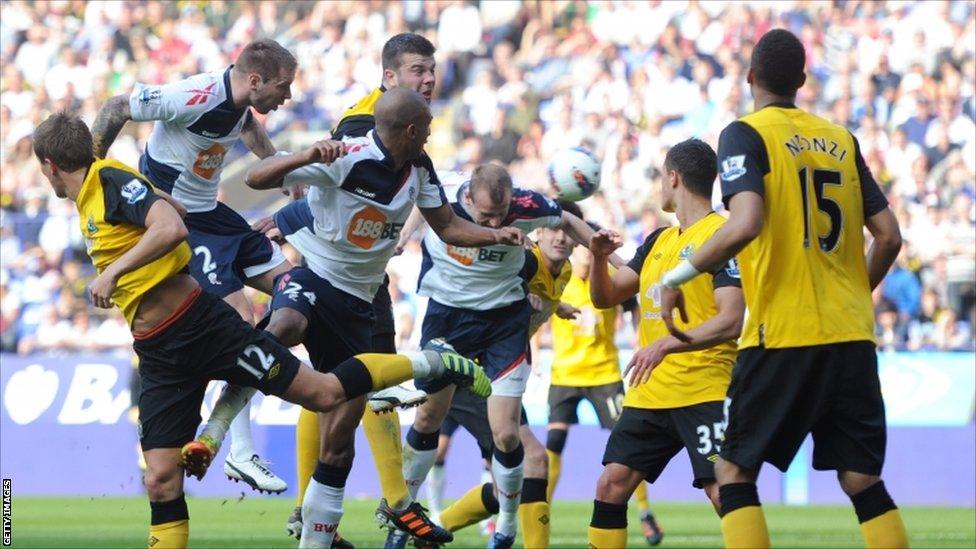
x: 529, y: 202
x: 116, y: 174
x: 358, y: 119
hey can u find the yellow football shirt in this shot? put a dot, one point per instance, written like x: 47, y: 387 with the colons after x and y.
x: 112, y: 207
x: 541, y: 283
x: 583, y: 351
x: 681, y: 379
x: 805, y: 276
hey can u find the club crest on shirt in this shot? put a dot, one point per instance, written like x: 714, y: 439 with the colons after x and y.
x: 733, y: 167
x: 92, y: 228
x: 686, y: 252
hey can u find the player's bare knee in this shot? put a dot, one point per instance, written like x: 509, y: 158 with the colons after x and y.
x: 163, y: 484
x: 727, y: 472
x: 506, y: 440
x: 711, y: 492
x: 428, y: 419
x: 854, y: 483
x: 612, y: 486
x: 536, y: 461
x: 288, y: 326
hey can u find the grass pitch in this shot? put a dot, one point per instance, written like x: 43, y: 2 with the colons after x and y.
x: 259, y: 522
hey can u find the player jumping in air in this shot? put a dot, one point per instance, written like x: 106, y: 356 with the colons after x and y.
x: 799, y: 195
x: 197, y: 122
x: 347, y: 230
x: 185, y: 337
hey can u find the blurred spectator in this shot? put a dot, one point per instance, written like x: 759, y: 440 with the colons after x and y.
x: 517, y: 82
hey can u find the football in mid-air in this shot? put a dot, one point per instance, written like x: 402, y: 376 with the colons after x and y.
x: 574, y: 173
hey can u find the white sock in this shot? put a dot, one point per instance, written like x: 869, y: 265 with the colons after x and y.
x: 416, y: 465
x: 508, y: 482
x: 241, y: 442
x: 321, y: 513
x: 232, y: 399
x: 435, y: 489
x: 425, y: 364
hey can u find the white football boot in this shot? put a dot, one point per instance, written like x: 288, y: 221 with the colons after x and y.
x: 397, y: 396
x: 255, y: 473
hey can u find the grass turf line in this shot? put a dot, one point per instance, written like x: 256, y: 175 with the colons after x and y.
x: 260, y: 522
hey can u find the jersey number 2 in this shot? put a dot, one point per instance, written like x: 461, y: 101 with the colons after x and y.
x: 821, y: 178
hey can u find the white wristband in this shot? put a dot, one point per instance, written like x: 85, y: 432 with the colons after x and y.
x: 677, y: 276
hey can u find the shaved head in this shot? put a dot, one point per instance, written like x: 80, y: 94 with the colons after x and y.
x: 493, y: 180
x: 400, y: 107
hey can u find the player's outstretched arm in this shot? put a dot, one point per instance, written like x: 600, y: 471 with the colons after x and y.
x: 269, y: 173
x: 578, y: 230
x: 725, y: 325
x: 109, y: 122
x: 883, y: 226
x: 607, y: 291
x: 461, y: 232
x: 164, y: 231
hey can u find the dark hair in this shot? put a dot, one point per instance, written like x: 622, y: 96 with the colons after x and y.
x: 405, y: 42
x: 695, y: 162
x: 65, y: 140
x: 571, y: 207
x: 266, y: 58
x: 777, y: 62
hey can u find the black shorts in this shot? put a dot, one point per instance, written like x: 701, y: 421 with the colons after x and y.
x: 384, y: 330
x: 498, y: 339
x: 209, y: 340
x: 471, y: 412
x: 777, y: 396
x: 340, y: 325
x: 607, y: 400
x: 646, y: 440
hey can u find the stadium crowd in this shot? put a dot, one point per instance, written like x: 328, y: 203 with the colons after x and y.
x: 516, y: 82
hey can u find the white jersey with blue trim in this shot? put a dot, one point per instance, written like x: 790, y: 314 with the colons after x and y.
x: 348, y: 225
x: 482, y: 278
x: 196, y: 125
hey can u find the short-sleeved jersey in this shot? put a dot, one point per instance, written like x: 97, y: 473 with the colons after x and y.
x: 196, y: 125
x: 693, y: 377
x: 112, y: 207
x: 583, y: 351
x: 487, y: 277
x: 349, y: 224
x: 805, y: 276
x: 542, y: 283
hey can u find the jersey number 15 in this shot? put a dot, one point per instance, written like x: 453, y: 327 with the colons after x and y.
x: 821, y: 179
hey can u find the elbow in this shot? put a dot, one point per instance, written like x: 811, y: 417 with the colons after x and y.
x: 749, y: 230
x: 735, y: 328
x: 177, y: 233
x: 891, y: 242
x: 599, y: 302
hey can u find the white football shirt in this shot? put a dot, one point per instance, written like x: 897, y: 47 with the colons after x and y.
x: 196, y: 125
x: 487, y: 277
x: 348, y: 226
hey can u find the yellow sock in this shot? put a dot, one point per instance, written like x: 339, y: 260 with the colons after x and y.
x: 641, y: 494
x: 169, y: 535
x: 534, y: 524
x: 466, y: 511
x: 306, y: 450
x: 745, y: 527
x: 387, y: 370
x: 606, y: 538
x: 383, y: 433
x: 555, y: 467
x: 886, y: 530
